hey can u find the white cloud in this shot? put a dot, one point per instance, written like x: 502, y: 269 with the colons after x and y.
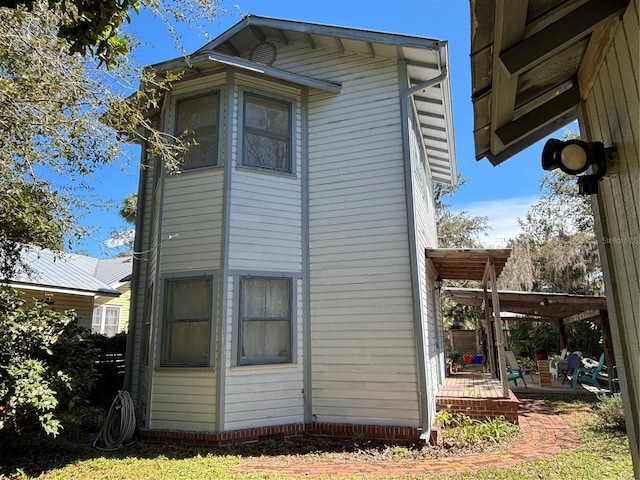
x: 503, y: 217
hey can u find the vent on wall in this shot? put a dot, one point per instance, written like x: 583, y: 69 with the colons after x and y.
x: 264, y: 53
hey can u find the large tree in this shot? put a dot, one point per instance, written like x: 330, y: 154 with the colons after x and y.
x: 63, y: 115
x: 557, y: 250
x: 457, y: 230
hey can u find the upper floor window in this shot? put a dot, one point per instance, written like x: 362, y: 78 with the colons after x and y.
x: 197, y: 120
x: 187, y: 322
x: 267, y: 133
x: 105, y: 320
x: 265, y: 320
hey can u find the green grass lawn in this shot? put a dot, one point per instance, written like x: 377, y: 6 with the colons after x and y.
x: 600, y: 454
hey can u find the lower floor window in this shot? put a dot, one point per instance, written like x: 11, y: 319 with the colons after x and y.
x: 105, y: 320
x: 187, y: 326
x: 265, y: 320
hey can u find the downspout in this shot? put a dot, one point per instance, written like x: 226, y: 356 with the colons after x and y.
x: 413, y: 254
x: 135, y: 280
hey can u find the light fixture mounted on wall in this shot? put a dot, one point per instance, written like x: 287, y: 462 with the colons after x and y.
x: 438, y: 283
x: 574, y: 157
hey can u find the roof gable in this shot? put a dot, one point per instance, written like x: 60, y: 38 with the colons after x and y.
x: 424, y: 59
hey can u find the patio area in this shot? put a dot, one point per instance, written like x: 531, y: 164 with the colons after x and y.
x: 479, y: 395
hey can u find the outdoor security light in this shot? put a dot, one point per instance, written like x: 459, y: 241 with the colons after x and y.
x: 574, y: 157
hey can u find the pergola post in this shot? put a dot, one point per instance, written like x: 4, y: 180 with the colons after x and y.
x: 563, y: 335
x: 490, y: 275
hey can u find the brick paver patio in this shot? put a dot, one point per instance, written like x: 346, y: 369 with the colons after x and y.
x: 544, y: 434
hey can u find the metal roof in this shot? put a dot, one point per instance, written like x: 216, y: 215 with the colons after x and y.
x: 530, y: 60
x: 425, y: 59
x: 70, y: 272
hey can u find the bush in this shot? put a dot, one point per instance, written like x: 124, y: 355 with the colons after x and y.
x: 459, y: 430
x: 46, y: 365
x: 610, y: 412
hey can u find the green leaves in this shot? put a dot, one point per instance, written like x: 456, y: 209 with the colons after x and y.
x: 46, y: 364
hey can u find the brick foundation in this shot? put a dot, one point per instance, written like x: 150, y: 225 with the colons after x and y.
x: 333, y: 430
x: 482, y: 408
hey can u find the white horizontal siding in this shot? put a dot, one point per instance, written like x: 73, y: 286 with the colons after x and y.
x: 265, y: 395
x: 265, y: 224
x: 184, y: 400
x: 362, y: 339
x: 192, y: 221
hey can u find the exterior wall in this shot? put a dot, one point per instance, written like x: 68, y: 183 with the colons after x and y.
x: 123, y: 301
x: 265, y: 237
x: 82, y: 304
x: 185, y: 236
x: 425, y: 237
x: 610, y: 114
x: 352, y: 208
x: 363, y: 367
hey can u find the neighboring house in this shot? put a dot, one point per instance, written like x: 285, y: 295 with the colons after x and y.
x: 282, y: 278
x: 535, y: 66
x: 97, y: 289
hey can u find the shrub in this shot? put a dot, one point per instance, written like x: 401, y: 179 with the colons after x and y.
x: 46, y: 365
x: 610, y: 412
x: 461, y: 431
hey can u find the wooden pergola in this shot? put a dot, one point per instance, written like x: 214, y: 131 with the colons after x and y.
x: 483, y: 265
x: 559, y: 308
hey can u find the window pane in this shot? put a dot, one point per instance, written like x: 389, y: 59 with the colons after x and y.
x: 268, y: 115
x: 266, y: 152
x: 197, y: 120
x: 111, y: 320
x: 96, y: 320
x: 277, y: 299
x: 189, y: 299
x: 253, y: 298
x: 188, y: 343
x: 266, y: 342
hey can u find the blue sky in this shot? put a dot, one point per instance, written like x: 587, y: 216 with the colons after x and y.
x: 503, y: 193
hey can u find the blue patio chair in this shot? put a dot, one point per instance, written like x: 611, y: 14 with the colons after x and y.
x: 514, y: 372
x: 573, y: 362
x: 588, y: 375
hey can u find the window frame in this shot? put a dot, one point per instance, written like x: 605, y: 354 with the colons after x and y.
x: 182, y: 97
x: 165, y: 324
x: 291, y: 103
x: 103, y: 318
x: 238, y: 323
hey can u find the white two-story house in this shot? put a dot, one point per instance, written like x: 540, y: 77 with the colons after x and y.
x: 280, y: 281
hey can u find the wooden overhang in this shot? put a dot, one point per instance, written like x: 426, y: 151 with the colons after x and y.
x: 483, y: 265
x: 537, y: 306
x: 530, y: 61
x: 466, y: 264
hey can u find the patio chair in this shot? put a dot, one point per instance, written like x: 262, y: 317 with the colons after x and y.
x: 588, y: 375
x: 514, y: 372
x: 573, y: 362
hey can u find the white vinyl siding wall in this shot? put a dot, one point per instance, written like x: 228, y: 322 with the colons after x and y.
x: 610, y: 114
x: 190, y: 239
x: 184, y: 399
x: 363, y: 363
x: 265, y: 235
x: 263, y: 395
x: 426, y: 237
